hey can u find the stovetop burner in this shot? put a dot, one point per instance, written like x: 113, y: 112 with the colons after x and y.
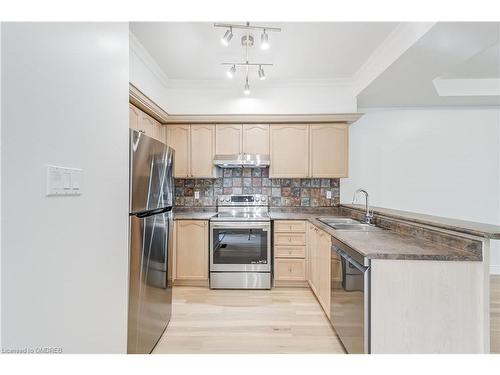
x: 242, y: 208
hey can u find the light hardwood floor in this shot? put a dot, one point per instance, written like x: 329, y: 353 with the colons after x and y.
x: 277, y: 321
x: 282, y: 320
x: 495, y: 313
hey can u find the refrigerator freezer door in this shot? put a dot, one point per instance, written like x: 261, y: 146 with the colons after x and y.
x: 150, y: 290
x: 151, y: 173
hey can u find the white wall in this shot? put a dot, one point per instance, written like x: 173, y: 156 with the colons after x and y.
x: 0, y: 184
x: 436, y: 161
x: 65, y: 259
x: 204, y: 98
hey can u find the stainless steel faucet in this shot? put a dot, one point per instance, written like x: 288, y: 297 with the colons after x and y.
x: 368, y: 214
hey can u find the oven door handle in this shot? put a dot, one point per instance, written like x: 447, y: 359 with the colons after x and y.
x: 265, y: 226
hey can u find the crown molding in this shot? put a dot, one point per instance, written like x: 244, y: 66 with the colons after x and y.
x: 345, y: 118
x: 143, y: 102
x: 142, y: 53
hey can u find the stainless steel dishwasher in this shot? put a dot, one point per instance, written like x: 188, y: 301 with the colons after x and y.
x: 350, y: 298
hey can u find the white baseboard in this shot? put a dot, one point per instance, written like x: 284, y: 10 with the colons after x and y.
x: 494, y: 269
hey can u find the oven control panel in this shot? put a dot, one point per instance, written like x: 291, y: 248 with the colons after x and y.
x: 242, y: 200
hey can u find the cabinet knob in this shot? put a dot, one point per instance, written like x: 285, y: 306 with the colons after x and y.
x: 289, y: 239
x: 290, y: 252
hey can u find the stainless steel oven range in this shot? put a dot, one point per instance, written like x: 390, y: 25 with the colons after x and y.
x: 240, y: 243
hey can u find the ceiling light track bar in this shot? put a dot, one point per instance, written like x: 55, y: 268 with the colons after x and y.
x: 247, y: 27
x: 246, y: 64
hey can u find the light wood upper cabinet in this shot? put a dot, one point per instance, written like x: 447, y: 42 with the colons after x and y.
x: 178, y: 137
x: 202, y: 151
x: 163, y: 133
x: 194, y: 147
x: 134, y: 117
x: 328, y: 150
x: 289, y: 146
x: 228, y: 139
x: 233, y: 139
x: 141, y: 121
x: 191, y: 258
x: 256, y: 139
x: 150, y: 126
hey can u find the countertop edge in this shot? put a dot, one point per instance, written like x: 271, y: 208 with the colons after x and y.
x: 407, y: 216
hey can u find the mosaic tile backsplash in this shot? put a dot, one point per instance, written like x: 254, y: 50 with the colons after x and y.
x: 283, y: 192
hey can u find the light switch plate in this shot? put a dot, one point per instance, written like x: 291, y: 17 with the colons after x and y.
x: 196, y: 195
x: 328, y: 194
x: 64, y: 181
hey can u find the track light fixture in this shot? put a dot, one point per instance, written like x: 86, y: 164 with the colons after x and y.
x: 247, y: 42
x: 231, y: 72
x: 228, y: 35
x: 264, y: 40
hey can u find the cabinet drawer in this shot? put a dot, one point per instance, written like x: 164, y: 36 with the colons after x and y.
x: 290, y: 251
x: 289, y: 269
x: 289, y: 238
x: 289, y: 226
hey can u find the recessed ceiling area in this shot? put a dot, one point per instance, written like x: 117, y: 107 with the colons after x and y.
x: 462, y: 53
x: 303, y: 50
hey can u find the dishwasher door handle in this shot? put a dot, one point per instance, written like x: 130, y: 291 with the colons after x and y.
x: 341, y: 252
x: 349, y: 259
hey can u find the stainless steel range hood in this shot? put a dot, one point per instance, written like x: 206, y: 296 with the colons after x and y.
x: 241, y: 160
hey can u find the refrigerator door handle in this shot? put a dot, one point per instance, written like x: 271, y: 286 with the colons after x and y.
x: 156, y: 211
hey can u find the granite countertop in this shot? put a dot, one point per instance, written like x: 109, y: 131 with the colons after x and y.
x: 387, y: 244
x: 468, y: 227
x: 383, y: 244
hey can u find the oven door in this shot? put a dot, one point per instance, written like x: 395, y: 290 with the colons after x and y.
x: 240, y: 246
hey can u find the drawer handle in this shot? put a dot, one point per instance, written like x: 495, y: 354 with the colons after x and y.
x: 290, y: 227
x: 289, y: 239
x: 289, y: 251
x: 290, y: 269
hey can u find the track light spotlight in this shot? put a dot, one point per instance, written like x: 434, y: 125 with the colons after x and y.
x: 227, y: 37
x: 230, y: 73
x: 262, y: 75
x: 264, y: 40
x: 246, y: 91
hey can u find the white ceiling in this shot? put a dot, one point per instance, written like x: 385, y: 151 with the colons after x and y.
x: 378, y: 64
x: 449, y: 50
x: 302, y: 51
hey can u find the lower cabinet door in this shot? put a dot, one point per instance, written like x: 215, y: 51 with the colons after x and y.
x: 290, y: 269
x: 192, y: 249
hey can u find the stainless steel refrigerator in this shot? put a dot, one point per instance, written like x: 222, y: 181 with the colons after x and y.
x: 150, y: 243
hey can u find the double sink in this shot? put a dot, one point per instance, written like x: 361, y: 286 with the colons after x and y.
x: 344, y: 223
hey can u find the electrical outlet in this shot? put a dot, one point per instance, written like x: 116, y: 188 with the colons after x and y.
x: 196, y: 195
x: 328, y: 194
